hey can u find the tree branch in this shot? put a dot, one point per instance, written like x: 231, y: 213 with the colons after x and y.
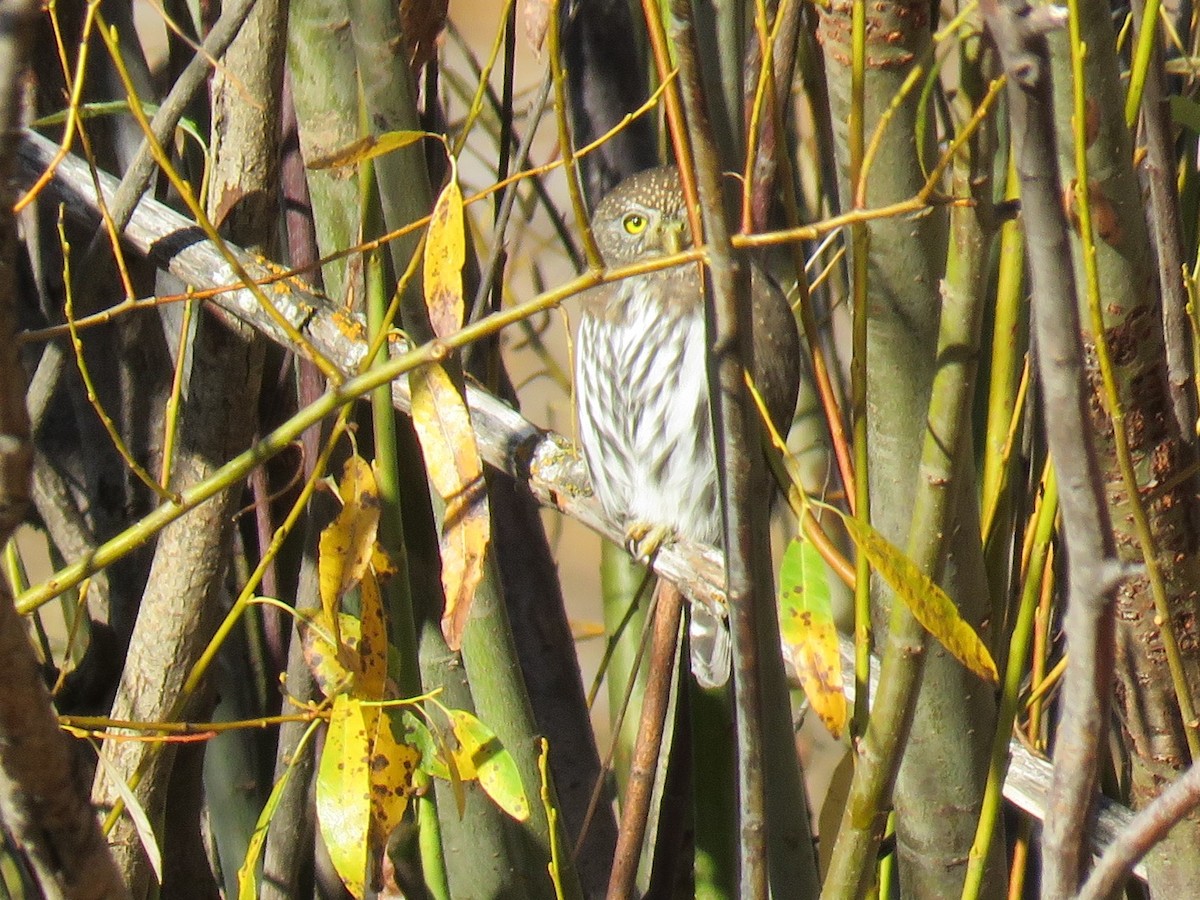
x: 1145, y: 830
x: 1092, y: 569
x: 739, y: 464
x: 509, y: 442
x: 43, y: 796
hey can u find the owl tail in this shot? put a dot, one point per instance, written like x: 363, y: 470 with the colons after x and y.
x: 711, y: 645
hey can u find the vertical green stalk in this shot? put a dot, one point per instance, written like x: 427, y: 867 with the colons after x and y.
x: 1142, y: 60
x: 1018, y: 654
x: 1005, y: 363
x: 860, y: 259
x: 429, y: 839
x: 620, y: 581
x: 714, y: 794
x: 397, y: 599
x: 921, y: 353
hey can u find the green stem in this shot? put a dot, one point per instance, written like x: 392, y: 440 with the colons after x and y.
x: 1018, y: 653
x: 860, y: 237
x: 1141, y: 61
x: 397, y: 598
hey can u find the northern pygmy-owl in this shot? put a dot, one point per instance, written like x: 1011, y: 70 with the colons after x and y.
x: 641, y: 389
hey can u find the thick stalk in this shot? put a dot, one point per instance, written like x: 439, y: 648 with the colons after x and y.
x: 1020, y: 38
x: 897, y: 265
x: 774, y: 841
x: 1143, y: 439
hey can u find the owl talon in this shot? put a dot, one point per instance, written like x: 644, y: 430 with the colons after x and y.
x: 643, y: 540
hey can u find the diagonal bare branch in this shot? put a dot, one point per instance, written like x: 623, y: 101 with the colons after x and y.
x: 509, y: 442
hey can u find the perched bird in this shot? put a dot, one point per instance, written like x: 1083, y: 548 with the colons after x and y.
x: 641, y: 389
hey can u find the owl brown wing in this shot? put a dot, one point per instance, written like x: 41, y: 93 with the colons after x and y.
x: 776, y: 367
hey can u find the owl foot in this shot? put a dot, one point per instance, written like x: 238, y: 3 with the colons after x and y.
x: 643, y: 540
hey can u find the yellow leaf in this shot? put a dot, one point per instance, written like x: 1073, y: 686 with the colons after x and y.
x: 366, y: 148
x: 344, y: 791
x: 384, y: 565
x: 806, y: 625
x: 347, y: 544
x: 393, y: 764
x: 481, y: 755
x: 373, y: 643
x: 455, y: 777
x: 929, y: 603
x: 586, y: 631
x: 456, y: 472
x: 445, y: 253
x: 335, y: 666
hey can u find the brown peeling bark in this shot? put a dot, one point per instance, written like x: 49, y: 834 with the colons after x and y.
x: 180, y: 608
x: 1163, y: 457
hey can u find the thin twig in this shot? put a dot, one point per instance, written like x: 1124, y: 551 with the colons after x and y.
x: 727, y: 327
x: 643, y: 768
x: 1162, y: 217
x: 1148, y: 827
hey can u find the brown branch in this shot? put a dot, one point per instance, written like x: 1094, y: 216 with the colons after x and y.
x: 1146, y: 829
x: 1092, y: 568
x: 289, y: 846
x: 727, y: 331
x: 1163, y: 218
x: 773, y: 827
x: 644, y: 767
x: 771, y: 165
x: 180, y: 607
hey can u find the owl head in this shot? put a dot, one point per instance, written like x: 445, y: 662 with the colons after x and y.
x: 643, y: 217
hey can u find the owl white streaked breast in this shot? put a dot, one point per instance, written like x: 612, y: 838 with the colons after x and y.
x: 641, y: 385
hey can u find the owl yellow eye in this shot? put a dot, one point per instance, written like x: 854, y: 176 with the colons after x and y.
x: 635, y: 223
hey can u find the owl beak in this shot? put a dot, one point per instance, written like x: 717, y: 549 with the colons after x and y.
x: 672, y: 237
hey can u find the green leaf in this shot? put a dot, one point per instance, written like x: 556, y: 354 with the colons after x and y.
x: 141, y: 822
x: 929, y: 603
x: 367, y: 148
x: 806, y: 625
x: 481, y: 755
x: 99, y: 109
x: 418, y: 735
x: 1185, y: 112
